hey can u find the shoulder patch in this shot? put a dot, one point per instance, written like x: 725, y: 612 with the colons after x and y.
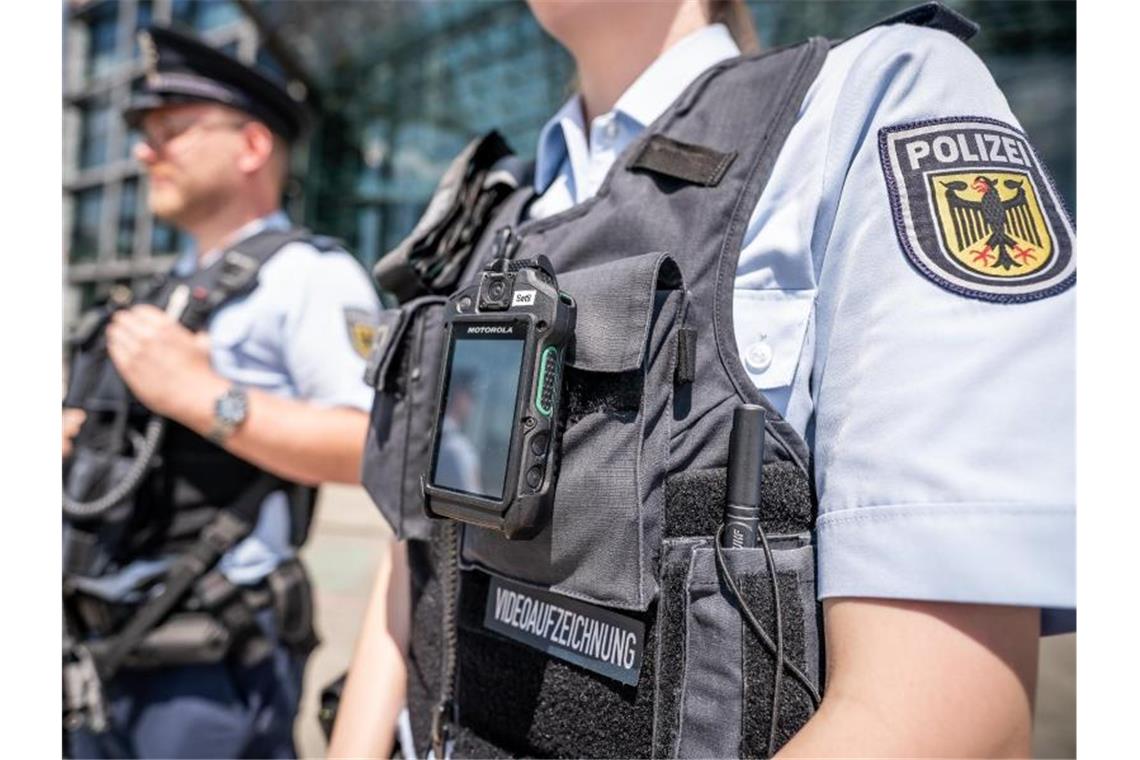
x: 975, y: 211
x: 361, y: 325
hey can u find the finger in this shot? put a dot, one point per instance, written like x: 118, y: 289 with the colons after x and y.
x: 121, y: 341
x: 131, y: 324
x: 151, y: 315
x: 73, y: 418
x: 123, y: 320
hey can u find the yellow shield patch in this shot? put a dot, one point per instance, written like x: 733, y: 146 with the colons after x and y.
x: 362, y: 337
x: 361, y: 330
x: 991, y: 222
x: 975, y: 211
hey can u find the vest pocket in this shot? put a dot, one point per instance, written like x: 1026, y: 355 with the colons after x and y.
x: 604, y: 534
x: 404, y: 369
x: 717, y: 675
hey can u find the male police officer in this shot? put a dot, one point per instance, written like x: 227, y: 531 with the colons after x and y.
x: 269, y: 397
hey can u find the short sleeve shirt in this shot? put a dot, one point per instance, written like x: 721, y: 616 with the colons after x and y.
x: 293, y: 337
x: 941, y: 425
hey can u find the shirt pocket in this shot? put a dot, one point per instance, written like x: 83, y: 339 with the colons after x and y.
x: 771, y: 327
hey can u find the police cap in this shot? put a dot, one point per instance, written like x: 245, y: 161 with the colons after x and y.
x: 183, y: 69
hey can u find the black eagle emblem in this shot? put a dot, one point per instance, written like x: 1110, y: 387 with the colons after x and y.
x: 992, y: 219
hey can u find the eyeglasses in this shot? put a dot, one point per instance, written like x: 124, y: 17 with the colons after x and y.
x: 158, y: 136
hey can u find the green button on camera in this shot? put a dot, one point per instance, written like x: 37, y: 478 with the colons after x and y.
x: 547, y: 381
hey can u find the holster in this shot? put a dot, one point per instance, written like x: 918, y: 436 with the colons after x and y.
x: 219, y: 620
x: 293, y: 607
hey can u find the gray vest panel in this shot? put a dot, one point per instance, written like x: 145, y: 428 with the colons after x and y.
x: 641, y: 488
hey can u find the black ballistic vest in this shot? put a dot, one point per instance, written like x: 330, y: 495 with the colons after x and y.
x: 651, y: 261
x: 189, y: 480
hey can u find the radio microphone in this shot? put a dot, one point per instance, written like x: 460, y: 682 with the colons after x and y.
x: 745, y: 474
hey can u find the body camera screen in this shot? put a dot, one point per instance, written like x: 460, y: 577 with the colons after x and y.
x: 478, y: 415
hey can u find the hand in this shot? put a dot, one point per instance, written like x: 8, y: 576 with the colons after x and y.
x: 166, y: 366
x: 72, y: 421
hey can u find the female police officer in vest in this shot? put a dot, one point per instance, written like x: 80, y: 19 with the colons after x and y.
x: 870, y: 248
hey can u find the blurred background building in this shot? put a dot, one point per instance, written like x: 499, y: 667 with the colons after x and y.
x: 399, y: 88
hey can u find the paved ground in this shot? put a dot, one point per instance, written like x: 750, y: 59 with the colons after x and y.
x: 341, y: 556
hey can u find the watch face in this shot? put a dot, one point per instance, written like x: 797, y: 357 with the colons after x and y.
x: 232, y: 407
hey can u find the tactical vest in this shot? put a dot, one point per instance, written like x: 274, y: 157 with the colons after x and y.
x: 193, y: 499
x: 615, y: 632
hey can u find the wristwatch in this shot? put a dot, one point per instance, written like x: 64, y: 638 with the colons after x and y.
x: 230, y: 411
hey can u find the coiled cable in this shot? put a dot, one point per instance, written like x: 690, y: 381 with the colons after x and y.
x: 146, y: 447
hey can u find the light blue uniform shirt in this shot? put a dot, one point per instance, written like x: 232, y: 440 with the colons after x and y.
x: 289, y: 337
x: 942, y: 427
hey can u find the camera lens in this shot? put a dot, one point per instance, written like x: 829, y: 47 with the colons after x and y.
x: 496, y: 289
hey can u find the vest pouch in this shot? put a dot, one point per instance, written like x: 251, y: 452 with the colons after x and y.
x: 601, y: 543
x: 716, y: 675
x: 404, y: 369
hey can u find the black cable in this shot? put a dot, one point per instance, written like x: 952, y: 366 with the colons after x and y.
x: 777, y: 686
x: 776, y: 648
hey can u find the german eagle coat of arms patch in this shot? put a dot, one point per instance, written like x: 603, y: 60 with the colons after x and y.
x: 975, y: 210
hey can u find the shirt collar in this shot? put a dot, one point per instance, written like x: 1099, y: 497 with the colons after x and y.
x: 646, y: 99
x: 190, y: 260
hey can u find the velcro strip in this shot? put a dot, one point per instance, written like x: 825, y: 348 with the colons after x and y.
x: 697, y: 164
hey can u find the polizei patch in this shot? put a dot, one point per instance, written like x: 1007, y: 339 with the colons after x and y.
x: 594, y: 638
x: 975, y: 211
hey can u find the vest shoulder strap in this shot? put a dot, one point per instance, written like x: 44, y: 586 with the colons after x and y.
x: 233, y: 274
x: 931, y: 16
x: 432, y: 258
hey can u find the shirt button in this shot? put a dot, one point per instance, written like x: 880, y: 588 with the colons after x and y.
x: 759, y: 356
x: 611, y: 129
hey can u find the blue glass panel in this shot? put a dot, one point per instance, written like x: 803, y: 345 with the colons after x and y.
x: 103, y: 31
x: 85, y: 228
x: 95, y: 132
x: 128, y: 210
x: 184, y: 11
x: 163, y: 238
x: 215, y: 13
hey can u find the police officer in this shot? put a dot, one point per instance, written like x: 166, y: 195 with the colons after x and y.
x: 897, y: 273
x: 262, y: 404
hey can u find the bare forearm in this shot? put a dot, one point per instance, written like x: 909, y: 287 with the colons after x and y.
x: 913, y: 679
x: 374, y: 693
x: 852, y: 728
x: 294, y: 439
